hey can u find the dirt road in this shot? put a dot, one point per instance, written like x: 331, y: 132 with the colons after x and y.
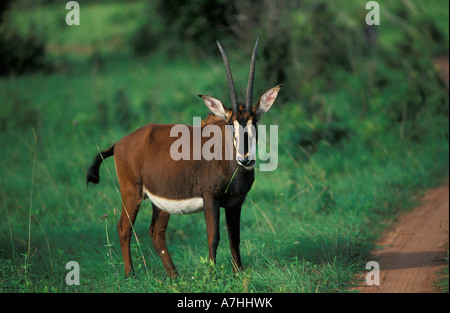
x: 441, y: 65
x: 413, y: 251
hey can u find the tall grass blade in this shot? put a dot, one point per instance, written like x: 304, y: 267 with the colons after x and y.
x: 46, y: 240
x: 31, y: 205
x: 9, y: 222
x: 264, y: 215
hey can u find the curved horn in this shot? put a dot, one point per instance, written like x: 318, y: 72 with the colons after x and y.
x: 251, y: 79
x: 234, y: 99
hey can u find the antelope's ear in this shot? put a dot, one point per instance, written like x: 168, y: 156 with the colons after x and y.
x: 216, y: 107
x: 266, y: 101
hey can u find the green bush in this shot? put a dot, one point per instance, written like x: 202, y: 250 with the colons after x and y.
x: 173, y: 23
x: 18, y: 53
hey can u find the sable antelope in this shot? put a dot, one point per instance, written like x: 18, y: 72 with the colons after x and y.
x: 145, y: 169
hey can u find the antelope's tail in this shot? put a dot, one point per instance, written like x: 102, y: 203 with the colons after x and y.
x: 93, y: 175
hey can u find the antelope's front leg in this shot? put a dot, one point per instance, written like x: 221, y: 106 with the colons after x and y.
x: 233, y: 217
x: 212, y: 216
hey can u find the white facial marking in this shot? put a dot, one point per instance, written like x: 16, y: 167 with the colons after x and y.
x: 236, y: 133
x: 250, y: 128
x: 175, y: 206
x: 252, y: 140
x: 251, y: 153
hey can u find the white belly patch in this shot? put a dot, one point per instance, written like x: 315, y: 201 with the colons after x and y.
x: 175, y: 206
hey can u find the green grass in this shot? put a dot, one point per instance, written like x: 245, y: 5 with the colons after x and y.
x: 308, y: 226
x: 441, y: 283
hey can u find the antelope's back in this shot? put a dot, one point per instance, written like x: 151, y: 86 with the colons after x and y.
x: 144, y: 158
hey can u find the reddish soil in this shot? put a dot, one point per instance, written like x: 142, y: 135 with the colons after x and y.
x: 441, y: 65
x: 413, y: 251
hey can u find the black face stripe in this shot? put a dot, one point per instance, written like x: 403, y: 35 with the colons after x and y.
x: 245, y: 143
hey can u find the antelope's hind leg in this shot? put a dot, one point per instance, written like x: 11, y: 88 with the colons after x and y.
x: 158, y: 228
x: 131, y: 201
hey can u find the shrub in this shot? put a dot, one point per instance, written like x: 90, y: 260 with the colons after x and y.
x: 18, y: 53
